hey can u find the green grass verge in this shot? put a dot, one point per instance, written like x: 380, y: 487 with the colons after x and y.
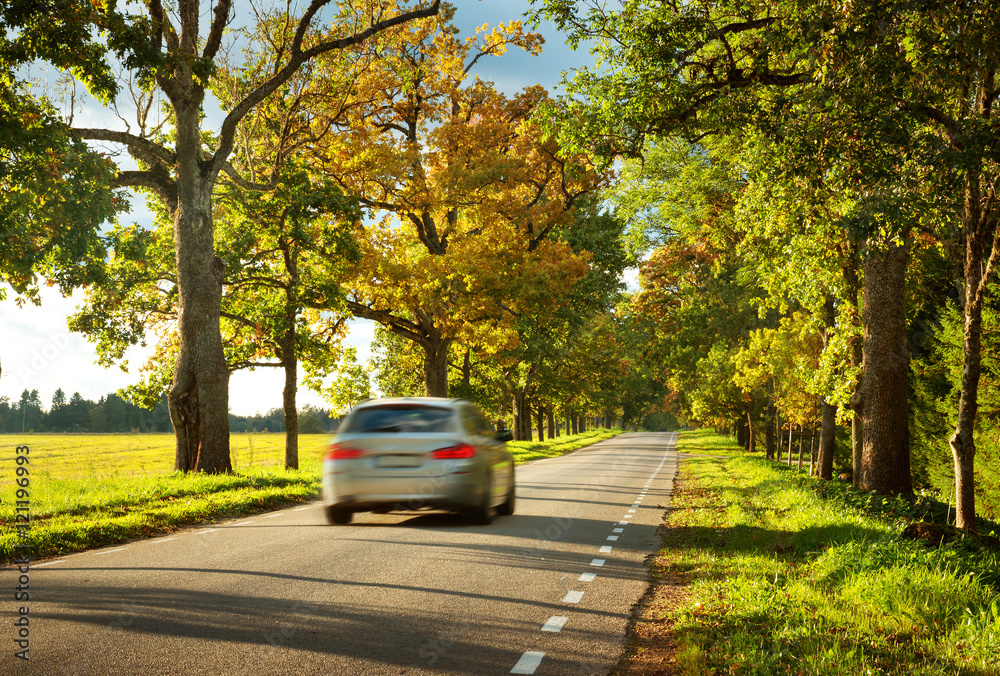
x: 91, y: 490
x: 792, y: 575
x: 526, y: 451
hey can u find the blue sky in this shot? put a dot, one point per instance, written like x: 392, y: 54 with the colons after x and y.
x: 38, y: 352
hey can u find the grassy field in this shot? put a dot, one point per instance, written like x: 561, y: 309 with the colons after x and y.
x: 89, y: 490
x: 767, y: 571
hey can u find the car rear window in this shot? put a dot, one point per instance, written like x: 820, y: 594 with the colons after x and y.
x: 399, y: 419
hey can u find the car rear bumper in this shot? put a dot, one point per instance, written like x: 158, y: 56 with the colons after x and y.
x: 449, y: 491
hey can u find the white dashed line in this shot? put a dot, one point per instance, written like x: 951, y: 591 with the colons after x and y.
x: 597, y: 562
x: 606, y: 549
x: 618, y: 530
x: 573, y: 597
x: 612, y: 538
x: 211, y: 530
x: 627, y: 516
x: 271, y: 516
x: 528, y: 663
x: 156, y: 542
x: 555, y: 623
x: 245, y: 523
x: 622, y: 523
x: 301, y: 508
x: 49, y: 563
x: 631, y: 511
x: 110, y: 551
x: 587, y: 577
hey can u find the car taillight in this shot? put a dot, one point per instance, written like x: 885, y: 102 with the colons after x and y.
x: 338, y: 452
x: 459, y: 452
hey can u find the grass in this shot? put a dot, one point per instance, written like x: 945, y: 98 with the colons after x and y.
x: 787, y: 574
x: 91, y: 490
x: 526, y: 451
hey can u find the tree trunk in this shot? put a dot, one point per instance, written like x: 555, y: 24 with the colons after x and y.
x: 978, y: 233
x: 572, y: 420
x: 828, y: 426
x: 812, y: 452
x: 791, y: 431
x: 770, y: 415
x: 751, y: 433
x: 289, y: 358
x: 522, y: 416
x: 885, y: 460
x: 852, y: 284
x: 550, y: 420
x: 802, y: 445
x: 777, y: 433
x: 436, y: 366
x: 827, y: 440
x: 291, y: 413
x: 199, y: 395
x: 540, y: 422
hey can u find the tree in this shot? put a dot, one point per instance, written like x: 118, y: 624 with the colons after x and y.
x: 466, y: 187
x: 168, y: 52
x: 54, y: 195
x: 282, y: 305
x: 716, y: 68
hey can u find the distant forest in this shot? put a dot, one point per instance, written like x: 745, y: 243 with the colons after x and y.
x: 111, y: 413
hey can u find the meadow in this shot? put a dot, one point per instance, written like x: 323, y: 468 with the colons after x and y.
x: 765, y: 570
x: 97, y: 489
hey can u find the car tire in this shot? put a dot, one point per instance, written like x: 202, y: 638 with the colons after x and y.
x: 506, y: 508
x: 338, y: 516
x: 482, y: 514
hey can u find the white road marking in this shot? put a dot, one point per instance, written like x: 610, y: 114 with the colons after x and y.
x: 528, y: 663
x: 110, y: 551
x: 301, y: 508
x: 587, y: 577
x: 631, y: 511
x: 49, y: 563
x: 271, y: 516
x: 622, y: 523
x: 597, y: 562
x: 245, y: 523
x: 606, y: 549
x: 210, y: 530
x: 618, y: 530
x: 573, y: 597
x: 627, y: 516
x: 612, y: 538
x: 555, y: 623
x: 154, y: 542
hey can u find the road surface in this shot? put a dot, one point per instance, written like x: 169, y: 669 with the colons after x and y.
x: 548, y: 590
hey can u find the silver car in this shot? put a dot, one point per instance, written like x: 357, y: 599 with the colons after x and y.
x: 418, y: 453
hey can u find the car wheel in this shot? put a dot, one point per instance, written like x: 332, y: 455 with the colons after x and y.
x: 506, y: 508
x: 482, y: 514
x: 338, y: 515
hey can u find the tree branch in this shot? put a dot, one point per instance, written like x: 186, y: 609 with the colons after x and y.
x: 297, y: 57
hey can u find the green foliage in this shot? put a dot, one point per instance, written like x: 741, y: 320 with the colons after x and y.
x: 55, y: 195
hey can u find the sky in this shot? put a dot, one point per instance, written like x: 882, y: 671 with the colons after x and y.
x: 37, y: 351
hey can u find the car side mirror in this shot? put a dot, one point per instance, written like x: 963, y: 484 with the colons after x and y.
x: 505, y: 435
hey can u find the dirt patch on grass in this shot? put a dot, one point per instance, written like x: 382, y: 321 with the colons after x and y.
x: 651, y: 649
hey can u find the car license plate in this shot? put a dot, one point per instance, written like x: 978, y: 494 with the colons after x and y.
x: 399, y: 461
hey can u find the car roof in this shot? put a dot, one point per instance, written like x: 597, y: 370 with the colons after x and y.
x: 411, y: 401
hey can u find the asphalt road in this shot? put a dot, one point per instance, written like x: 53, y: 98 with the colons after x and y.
x: 548, y: 590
